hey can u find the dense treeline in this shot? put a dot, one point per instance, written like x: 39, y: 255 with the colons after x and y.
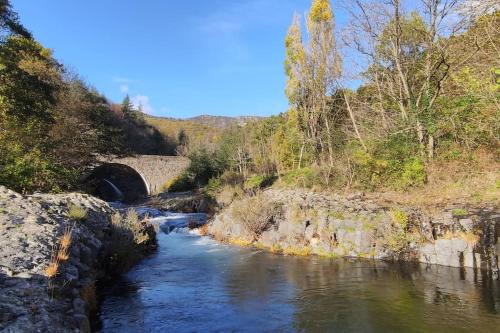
x: 430, y: 95
x: 52, y: 124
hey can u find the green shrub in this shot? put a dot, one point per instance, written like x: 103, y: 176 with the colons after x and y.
x: 27, y: 171
x: 203, y: 166
x: 459, y: 212
x: 256, y: 182
x: 399, y: 217
x: 213, y: 186
x: 398, y: 240
x: 304, y: 177
x: 413, y: 174
x: 183, y: 182
x: 389, y: 164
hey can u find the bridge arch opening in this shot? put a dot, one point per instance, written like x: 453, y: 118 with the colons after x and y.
x: 117, y: 182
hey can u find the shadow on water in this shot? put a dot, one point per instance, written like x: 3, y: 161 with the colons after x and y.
x: 194, y: 284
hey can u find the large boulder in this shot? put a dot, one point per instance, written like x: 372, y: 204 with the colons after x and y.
x: 31, y: 228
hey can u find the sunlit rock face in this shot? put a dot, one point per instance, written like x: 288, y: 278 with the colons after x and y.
x: 353, y: 226
x: 31, y: 229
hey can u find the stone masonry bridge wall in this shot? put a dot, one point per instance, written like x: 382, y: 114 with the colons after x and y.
x: 155, y: 170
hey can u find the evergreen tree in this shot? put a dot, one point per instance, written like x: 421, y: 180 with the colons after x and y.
x: 127, y: 108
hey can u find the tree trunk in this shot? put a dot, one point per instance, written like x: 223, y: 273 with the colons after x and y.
x: 430, y: 147
x: 351, y: 114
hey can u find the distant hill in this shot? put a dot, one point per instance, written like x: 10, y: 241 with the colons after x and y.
x: 223, y: 121
x: 204, y: 129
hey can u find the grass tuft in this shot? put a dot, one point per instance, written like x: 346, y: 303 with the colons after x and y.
x: 459, y: 212
x: 296, y: 251
x: 77, y: 213
x: 399, y: 217
x: 469, y: 237
x: 52, y: 269
x: 203, y: 230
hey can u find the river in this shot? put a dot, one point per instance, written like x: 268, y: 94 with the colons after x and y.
x: 194, y: 284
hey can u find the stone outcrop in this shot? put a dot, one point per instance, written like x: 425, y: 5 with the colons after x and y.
x: 30, y: 230
x: 183, y: 202
x: 354, y: 226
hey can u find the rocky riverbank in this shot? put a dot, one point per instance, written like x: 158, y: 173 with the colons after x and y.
x: 98, y: 244
x: 302, y: 223
x: 181, y: 202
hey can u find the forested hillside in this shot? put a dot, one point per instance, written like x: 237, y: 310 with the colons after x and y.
x: 197, y: 132
x: 426, y: 114
x: 52, y: 123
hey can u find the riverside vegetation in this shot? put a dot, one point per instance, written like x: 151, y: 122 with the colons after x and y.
x: 419, y: 137
x: 52, y: 124
x: 426, y: 115
x: 405, y: 166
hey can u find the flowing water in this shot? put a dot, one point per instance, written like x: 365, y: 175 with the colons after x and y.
x: 194, y: 284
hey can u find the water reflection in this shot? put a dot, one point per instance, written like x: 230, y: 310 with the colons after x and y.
x: 196, y: 285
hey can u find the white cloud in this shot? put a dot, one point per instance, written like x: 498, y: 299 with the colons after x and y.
x: 142, y: 101
x: 124, y: 88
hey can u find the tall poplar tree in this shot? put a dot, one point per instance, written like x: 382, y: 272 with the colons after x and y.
x: 312, y: 73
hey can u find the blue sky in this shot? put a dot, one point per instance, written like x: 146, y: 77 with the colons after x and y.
x: 178, y: 58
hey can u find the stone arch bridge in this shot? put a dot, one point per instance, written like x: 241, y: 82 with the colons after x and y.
x: 127, y: 178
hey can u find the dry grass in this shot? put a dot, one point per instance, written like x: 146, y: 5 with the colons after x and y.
x: 228, y: 193
x: 239, y: 241
x: 130, y: 239
x: 276, y: 248
x: 256, y: 214
x: 475, y: 181
x: 469, y: 237
x: 65, y: 243
x: 65, y: 240
x: 60, y: 253
x: 63, y: 254
x: 203, y: 230
x: 53, y: 268
x: 298, y: 251
x: 116, y: 219
x: 132, y: 218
